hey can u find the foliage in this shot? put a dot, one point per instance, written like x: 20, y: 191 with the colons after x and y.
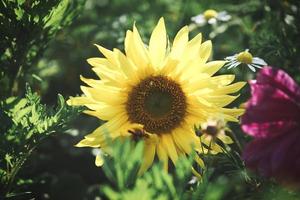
x: 26, y: 123
x: 26, y: 29
x: 121, y: 168
x: 277, y: 35
x: 154, y: 184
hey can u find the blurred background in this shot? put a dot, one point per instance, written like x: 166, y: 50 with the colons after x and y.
x: 57, y: 169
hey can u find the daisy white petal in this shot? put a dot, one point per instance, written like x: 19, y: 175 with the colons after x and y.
x: 212, y: 21
x: 230, y: 58
x: 234, y: 65
x: 251, y: 67
x: 223, y: 16
x: 199, y: 19
x: 259, y: 61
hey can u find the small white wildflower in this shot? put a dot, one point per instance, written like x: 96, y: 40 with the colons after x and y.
x: 193, y: 180
x: 73, y: 132
x: 211, y: 16
x: 246, y: 58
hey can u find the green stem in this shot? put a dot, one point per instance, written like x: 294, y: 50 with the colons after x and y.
x: 236, y: 141
x: 15, y: 170
x: 15, y: 85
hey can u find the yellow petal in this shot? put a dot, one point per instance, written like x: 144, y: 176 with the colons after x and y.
x: 192, y: 49
x: 131, y: 50
x: 169, y: 67
x: 221, y: 100
x: 88, y: 102
x: 128, y: 44
x: 136, y: 51
x: 109, y: 55
x: 180, y: 42
x: 167, y: 141
x: 149, y: 154
x: 233, y: 111
x: 191, y: 69
x: 198, y: 67
x: 106, y: 112
x: 185, y: 139
x: 199, y: 161
x: 101, y: 94
x: 230, y: 88
x: 79, y: 101
x: 99, y: 62
x: 113, y: 77
x: 92, y: 82
x: 198, y: 82
x: 225, y: 138
x: 212, y: 67
x: 198, y: 175
x: 229, y: 114
x: 127, y: 66
x: 215, y: 148
x: 89, y: 143
x: 205, y: 50
x: 110, y: 129
x: 162, y: 155
x: 206, y: 139
x: 223, y: 79
x: 158, y: 44
x: 196, y: 112
x: 139, y: 48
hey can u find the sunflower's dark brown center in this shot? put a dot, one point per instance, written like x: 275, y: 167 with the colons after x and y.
x: 158, y: 103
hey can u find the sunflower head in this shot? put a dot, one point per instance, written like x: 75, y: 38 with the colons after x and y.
x: 157, y: 95
x: 158, y: 103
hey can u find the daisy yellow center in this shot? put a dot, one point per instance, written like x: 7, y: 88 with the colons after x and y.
x: 158, y: 103
x: 208, y: 14
x: 245, y: 57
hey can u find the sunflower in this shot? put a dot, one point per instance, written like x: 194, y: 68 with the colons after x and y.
x: 157, y: 95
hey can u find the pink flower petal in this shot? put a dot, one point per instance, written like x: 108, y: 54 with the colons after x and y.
x: 279, y: 79
x: 272, y: 107
x: 277, y: 157
x: 273, y: 117
x: 268, y: 112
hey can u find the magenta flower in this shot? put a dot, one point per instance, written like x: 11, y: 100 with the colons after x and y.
x: 273, y: 118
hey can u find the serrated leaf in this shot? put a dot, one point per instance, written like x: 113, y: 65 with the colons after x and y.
x: 29, y: 134
x: 56, y: 14
x: 21, y: 113
x: 21, y: 104
x: 34, y: 115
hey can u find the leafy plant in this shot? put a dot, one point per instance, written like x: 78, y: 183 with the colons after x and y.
x: 26, y: 29
x: 26, y: 122
x: 121, y: 167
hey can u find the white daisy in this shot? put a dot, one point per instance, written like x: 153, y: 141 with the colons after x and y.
x: 210, y: 16
x: 246, y: 58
